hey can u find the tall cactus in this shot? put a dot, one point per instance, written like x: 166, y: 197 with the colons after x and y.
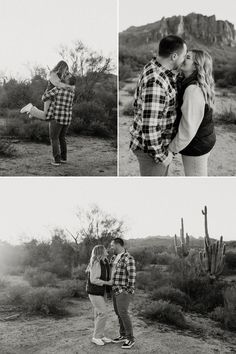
x: 182, y: 250
x: 213, y: 257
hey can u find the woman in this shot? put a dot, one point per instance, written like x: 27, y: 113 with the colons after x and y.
x: 97, y: 289
x: 195, y: 137
x: 56, y: 77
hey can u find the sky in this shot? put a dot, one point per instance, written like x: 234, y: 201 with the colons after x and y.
x: 138, y: 13
x: 31, y: 31
x: 33, y: 207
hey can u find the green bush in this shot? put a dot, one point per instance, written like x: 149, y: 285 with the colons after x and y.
x: 15, y: 294
x: 226, y: 117
x: 129, y: 109
x: 38, y: 278
x: 73, y: 288
x: 217, y: 314
x: 47, y: 301
x: 230, y: 308
x: 171, y: 294
x: 80, y: 272
x: 6, y: 149
x: 163, y: 311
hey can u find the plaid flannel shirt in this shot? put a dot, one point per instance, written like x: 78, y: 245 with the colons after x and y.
x: 61, y: 104
x: 124, y: 274
x: 155, y: 108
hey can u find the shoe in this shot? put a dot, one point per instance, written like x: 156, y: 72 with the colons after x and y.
x: 27, y: 108
x: 97, y: 341
x: 106, y: 340
x: 128, y: 344
x: 119, y: 339
x: 63, y: 161
x: 55, y: 163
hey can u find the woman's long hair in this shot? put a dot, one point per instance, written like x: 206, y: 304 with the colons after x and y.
x: 60, y: 68
x: 204, y: 66
x: 96, y: 255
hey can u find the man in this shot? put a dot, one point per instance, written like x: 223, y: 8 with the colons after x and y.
x: 123, y: 276
x: 155, y: 108
x: 59, y: 115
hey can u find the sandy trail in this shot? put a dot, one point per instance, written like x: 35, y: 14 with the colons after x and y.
x: 222, y: 161
x: 73, y: 335
x: 87, y: 156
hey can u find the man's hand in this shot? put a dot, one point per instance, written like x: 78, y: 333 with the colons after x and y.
x: 168, y: 159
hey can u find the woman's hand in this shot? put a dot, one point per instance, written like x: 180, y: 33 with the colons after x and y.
x: 109, y: 282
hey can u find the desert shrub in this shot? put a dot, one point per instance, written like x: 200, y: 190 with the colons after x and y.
x: 230, y: 308
x: 171, y: 294
x: 164, y: 258
x: 6, y: 149
x: 205, y: 295
x: 230, y: 260
x: 73, y: 288
x: 15, y: 294
x: 80, y: 272
x: 165, y: 312
x: 38, y: 278
x: 217, y: 314
x: 125, y: 71
x: 47, y: 301
x: 100, y: 129
x: 226, y: 117
x: 151, y: 279
x: 129, y: 109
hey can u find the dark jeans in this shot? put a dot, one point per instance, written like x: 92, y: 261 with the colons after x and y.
x: 57, y: 133
x: 121, y: 304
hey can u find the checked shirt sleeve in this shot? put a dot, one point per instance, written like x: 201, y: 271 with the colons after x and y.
x: 131, y: 270
x: 153, y: 105
x: 50, y: 94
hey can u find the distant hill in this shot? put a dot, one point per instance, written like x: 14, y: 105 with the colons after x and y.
x: 140, y: 44
x: 167, y: 242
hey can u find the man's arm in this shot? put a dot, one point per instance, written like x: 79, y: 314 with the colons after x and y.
x: 131, y: 270
x: 49, y: 95
x: 153, y: 104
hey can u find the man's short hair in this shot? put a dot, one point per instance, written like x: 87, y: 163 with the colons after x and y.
x: 119, y: 241
x: 72, y: 80
x: 169, y: 45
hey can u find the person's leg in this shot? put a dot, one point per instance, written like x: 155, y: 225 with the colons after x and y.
x: 37, y: 113
x: 195, y: 165
x: 122, y: 304
x: 122, y: 328
x: 100, y: 315
x: 147, y: 165
x: 63, y: 142
x: 54, y: 133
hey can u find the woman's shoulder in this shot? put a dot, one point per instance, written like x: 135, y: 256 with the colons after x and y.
x: 194, y: 90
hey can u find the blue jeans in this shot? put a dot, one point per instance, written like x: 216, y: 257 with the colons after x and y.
x: 57, y: 133
x: 121, y: 304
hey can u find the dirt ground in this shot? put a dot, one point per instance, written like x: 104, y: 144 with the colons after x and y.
x: 222, y: 160
x: 87, y: 156
x: 71, y: 335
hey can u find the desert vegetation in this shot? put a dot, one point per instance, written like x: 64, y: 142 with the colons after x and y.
x: 94, y: 111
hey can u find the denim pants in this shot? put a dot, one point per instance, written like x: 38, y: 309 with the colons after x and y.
x: 100, y: 315
x: 195, y: 165
x: 121, y: 304
x: 147, y: 165
x: 57, y: 133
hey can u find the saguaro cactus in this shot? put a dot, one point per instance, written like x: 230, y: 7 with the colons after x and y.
x: 182, y: 250
x: 213, y: 256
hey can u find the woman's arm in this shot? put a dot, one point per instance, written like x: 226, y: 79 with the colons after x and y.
x: 95, y: 274
x: 192, y: 115
x: 54, y: 78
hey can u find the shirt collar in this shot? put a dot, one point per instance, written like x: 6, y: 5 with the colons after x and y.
x: 170, y: 73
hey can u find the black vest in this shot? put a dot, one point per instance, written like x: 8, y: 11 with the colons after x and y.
x: 94, y: 289
x: 205, y: 138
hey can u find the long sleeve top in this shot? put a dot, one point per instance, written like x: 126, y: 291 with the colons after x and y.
x: 95, y: 274
x: 192, y: 115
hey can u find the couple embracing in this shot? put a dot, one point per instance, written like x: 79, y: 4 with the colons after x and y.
x: 116, y: 279
x: 173, y: 109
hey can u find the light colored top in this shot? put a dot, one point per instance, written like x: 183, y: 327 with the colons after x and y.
x: 192, y: 109
x: 95, y: 274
